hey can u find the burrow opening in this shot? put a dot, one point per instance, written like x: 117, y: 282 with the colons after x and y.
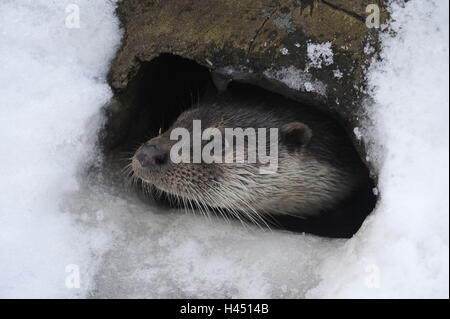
x: 168, y: 85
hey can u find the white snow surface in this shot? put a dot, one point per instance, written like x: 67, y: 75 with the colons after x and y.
x: 53, y: 214
x: 297, y: 79
x: 319, y: 53
x: 52, y: 85
x: 402, y: 249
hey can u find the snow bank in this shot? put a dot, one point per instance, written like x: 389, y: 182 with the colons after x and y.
x: 52, y: 85
x: 156, y: 253
x: 402, y: 250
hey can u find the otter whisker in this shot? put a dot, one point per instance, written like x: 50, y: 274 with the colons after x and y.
x: 200, y: 204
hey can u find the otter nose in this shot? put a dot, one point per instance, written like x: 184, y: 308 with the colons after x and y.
x: 151, y: 156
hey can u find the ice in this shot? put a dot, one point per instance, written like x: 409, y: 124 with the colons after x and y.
x: 159, y: 253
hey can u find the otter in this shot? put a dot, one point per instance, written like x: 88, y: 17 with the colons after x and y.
x: 318, y: 166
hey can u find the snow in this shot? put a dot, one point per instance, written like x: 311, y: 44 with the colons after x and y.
x: 406, y: 239
x: 319, y: 53
x: 52, y: 84
x: 337, y: 74
x: 284, y: 51
x: 297, y: 79
x: 56, y: 219
x: 284, y: 21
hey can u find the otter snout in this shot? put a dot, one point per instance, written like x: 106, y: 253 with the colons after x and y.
x: 151, y: 156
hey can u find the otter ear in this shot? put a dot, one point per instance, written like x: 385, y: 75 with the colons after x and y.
x: 295, y: 134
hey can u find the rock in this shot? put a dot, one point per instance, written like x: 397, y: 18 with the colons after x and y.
x: 313, y: 51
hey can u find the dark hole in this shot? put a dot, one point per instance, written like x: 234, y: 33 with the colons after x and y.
x: 168, y: 85
x: 162, y: 90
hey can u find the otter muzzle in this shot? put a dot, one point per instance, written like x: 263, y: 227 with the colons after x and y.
x: 150, y: 156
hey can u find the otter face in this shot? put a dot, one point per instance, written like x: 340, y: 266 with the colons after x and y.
x: 153, y: 164
x: 237, y: 186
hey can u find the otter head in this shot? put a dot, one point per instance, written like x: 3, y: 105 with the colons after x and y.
x: 238, y: 186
